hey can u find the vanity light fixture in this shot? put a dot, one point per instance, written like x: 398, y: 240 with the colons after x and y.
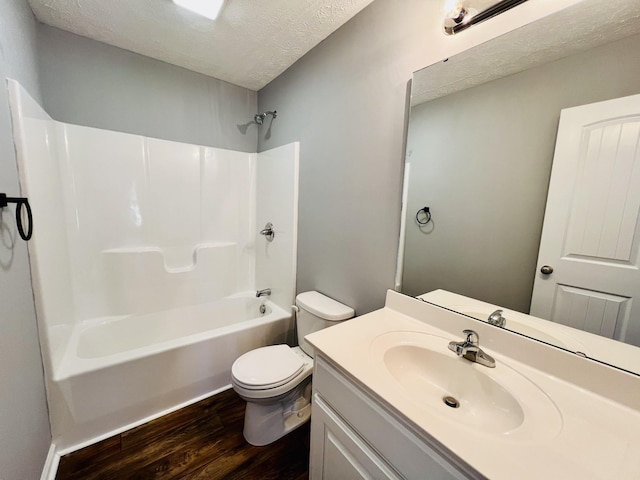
x: 460, y: 14
x: 207, y: 8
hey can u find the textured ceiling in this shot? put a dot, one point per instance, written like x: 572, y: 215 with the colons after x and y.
x: 578, y: 28
x: 250, y: 44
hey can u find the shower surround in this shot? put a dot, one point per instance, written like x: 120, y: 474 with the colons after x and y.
x: 145, y: 259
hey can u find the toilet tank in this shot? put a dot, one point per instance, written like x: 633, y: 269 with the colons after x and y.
x: 315, y: 312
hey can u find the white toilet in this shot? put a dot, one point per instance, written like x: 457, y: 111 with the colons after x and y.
x: 275, y: 381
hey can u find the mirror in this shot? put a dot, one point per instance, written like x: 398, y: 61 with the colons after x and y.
x: 480, y: 149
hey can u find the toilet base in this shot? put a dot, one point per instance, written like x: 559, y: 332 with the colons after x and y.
x: 264, y: 423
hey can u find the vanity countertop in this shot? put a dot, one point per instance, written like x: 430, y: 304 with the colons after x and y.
x: 588, y: 429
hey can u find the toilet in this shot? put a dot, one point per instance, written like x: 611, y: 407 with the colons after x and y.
x: 275, y: 381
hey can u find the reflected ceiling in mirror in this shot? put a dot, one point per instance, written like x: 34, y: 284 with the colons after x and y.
x: 572, y: 30
x: 480, y: 149
x: 463, y: 14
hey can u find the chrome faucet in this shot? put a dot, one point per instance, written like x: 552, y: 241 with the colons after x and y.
x: 497, y: 319
x: 470, y: 349
x: 263, y: 293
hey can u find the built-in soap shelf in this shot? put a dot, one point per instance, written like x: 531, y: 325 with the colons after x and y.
x: 139, y: 279
x: 174, y: 259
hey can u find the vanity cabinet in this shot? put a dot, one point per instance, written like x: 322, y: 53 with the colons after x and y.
x: 354, y: 436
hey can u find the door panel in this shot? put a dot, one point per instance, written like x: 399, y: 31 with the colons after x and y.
x: 594, y: 312
x: 603, y: 196
x: 591, y: 232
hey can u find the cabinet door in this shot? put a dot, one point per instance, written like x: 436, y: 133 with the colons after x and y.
x: 338, y: 453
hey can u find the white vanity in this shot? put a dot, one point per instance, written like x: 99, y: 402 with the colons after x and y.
x: 380, y: 382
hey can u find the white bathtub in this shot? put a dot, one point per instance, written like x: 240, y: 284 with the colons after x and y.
x: 121, y: 371
x: 112, y: 243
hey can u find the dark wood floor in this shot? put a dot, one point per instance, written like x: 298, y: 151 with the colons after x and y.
x: 201, y: 442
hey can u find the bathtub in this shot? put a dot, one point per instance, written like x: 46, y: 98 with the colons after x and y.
x: 119, y: 372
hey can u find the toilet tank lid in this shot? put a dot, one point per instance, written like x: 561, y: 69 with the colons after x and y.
x: 323, y: 306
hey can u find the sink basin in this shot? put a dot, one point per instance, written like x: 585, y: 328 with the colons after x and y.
x: 490, y: 401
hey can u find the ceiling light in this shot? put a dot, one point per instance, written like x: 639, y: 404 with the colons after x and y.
x: 206, y: 8
x: 459, y: 17
x: 450, y: 7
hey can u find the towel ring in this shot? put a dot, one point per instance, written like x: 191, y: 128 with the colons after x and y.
x: 20, y: 202
x: 425, y: 218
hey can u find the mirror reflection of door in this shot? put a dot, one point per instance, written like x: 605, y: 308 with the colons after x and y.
x: 591, y: 234
x: 481, y: 159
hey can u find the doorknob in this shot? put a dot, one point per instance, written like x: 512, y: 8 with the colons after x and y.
x: 268, y: 232
x: 546, y: 270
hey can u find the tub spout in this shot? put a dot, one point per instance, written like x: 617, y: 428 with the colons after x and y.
x: 263, y: 293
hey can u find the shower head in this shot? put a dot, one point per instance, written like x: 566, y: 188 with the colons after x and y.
x: 259, y: 117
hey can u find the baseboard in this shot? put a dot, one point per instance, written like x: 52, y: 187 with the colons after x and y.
x: 51, y: 464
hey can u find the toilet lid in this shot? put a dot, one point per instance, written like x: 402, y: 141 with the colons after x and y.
x: 267, y: 366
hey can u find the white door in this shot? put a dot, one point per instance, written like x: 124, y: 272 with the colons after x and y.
x: 591, y: 231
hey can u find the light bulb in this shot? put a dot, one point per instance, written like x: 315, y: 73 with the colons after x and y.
x: 452, y: 8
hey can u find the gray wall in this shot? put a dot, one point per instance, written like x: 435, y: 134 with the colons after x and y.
x: 24, y: 426
x: 346, y: 103
x: 90, y: 83
x: 481, y: 160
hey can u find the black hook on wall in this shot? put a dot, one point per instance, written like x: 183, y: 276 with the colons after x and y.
x: 20, y: 202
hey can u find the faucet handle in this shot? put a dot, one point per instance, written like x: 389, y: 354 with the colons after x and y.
x: 472, y: 337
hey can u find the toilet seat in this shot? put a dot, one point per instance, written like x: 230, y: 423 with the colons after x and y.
x: 299, y: 362
x: 266, y: 367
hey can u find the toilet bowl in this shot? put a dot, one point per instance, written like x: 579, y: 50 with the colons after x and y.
x: 275, y: 381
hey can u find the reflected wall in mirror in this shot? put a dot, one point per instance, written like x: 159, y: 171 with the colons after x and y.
x: 480, y: 157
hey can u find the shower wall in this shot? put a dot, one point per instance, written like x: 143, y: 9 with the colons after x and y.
x: 154, y: 224
x: 126, y: 224
x: 277, y: 171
